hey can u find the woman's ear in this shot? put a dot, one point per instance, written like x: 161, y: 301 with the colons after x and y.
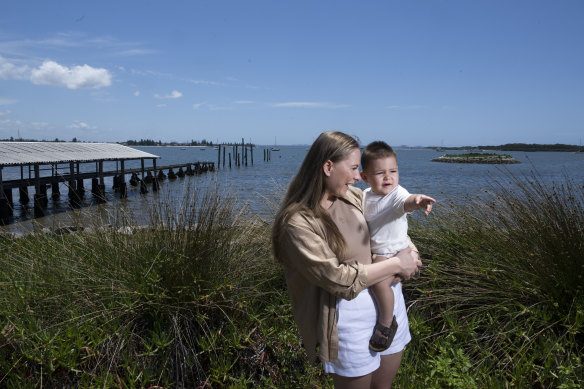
x: 364, y: 176
x: 327, y: 168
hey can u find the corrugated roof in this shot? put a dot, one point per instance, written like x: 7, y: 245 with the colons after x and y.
x: 24, y: 153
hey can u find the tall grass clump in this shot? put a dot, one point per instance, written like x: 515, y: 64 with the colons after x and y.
x: 189, y: 299
x: 500, y: 300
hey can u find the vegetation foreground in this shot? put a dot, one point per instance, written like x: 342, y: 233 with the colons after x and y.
x: 195, y: 300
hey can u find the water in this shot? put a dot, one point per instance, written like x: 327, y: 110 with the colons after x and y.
x: 264, y: 182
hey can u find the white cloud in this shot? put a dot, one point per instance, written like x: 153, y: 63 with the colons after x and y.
x: 51, y: 73
x: 173, y: 95
x: 137, y: 93
x: 5, y: 113
x: 309, y: 104
x: 219, y: 108
x: 403, y: 107
x: 10, y: 71
x: 161, y: 105
x: 131, y: 52
x: 4, y: 101
x: 206, y: 82
x: 81, y: 125
x: 197, y: 105
x: 26, y: 129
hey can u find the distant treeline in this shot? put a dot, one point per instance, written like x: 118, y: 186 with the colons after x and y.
x: 151, y: 142
x: 523, y: 147
x: 12, y: 139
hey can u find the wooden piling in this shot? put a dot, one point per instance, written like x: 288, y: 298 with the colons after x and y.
x: 72, y: 189
x: 55, y: 191
x: 5, y: 209
x: 123, y: 185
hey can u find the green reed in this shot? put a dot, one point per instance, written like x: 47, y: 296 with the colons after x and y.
x: 502, y: 285
x: 189, y: 298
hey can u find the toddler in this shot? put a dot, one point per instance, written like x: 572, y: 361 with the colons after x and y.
x: 385, y: 205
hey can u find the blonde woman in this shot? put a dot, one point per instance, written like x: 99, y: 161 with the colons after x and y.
x: 322, y: 241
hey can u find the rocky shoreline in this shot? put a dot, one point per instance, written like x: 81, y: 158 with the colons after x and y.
x: 485, y: 159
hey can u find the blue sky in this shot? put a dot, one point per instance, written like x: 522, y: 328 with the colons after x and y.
x: 408, y: 72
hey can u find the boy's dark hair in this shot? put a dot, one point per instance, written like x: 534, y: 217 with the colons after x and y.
x: 376, y: 150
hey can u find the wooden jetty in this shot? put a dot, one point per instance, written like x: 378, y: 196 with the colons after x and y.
x: 63, y: 160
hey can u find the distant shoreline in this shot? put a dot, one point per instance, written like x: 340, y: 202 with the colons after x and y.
x: 558, y: 147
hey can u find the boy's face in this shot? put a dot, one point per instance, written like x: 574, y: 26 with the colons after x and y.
x: 382, y: 175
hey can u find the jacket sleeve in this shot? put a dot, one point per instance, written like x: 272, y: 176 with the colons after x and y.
x: 308, y: 253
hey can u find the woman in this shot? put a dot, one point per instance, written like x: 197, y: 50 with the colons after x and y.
x: 321, y: 238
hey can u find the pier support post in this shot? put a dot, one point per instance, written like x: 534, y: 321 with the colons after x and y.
x: 5, y: 208
x: 94, y: 186
x: 8, y: 196
x: 44, y: 197
x: 5, y: 211
x: 123, y: 186
x: 40, y: 196
x: 80, y: 187
x: 55, y: 191
x: 72, y: 187
x: 23, y: 193
x: 101, y: 179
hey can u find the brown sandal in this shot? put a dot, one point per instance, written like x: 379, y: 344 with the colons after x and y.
x: 382, y: 342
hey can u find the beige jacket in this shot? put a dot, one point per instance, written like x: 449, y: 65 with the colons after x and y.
x: 315, y: 279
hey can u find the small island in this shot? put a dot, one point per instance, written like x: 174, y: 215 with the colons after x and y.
x: 488, y: 158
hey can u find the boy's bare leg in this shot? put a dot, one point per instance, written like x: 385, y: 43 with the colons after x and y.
x: 385, y: 301
x: 384, y: 331
x: 384, y: 298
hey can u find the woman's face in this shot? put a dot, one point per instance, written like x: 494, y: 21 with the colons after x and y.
x: 339, y: 175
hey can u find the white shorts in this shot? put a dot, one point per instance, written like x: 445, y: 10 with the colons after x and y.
x: 356, y: 320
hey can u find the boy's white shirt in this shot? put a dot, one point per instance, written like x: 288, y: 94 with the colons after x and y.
x: 387, y: 220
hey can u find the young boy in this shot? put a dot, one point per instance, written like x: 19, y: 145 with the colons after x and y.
x: 385, y: 205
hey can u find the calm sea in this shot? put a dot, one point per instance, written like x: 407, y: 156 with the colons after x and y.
x: 262, y: 184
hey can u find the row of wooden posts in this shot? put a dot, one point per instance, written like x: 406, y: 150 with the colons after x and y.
x: 76, y: 187
x: 240, y: 154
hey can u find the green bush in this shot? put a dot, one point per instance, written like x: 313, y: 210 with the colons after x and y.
x: 192, y: 298
x: 503, y: 278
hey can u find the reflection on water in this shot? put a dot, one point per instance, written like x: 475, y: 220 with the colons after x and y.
x: 261, y: 186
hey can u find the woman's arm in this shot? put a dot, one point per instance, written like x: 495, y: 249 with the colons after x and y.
x: 404, y: 264
x: 306, y: 252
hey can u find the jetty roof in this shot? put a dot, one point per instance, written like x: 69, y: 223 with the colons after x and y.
x: 25, y: 153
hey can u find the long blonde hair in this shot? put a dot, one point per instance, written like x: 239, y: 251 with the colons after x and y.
x: 308, y: 186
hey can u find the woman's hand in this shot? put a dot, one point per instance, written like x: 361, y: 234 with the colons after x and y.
x: 402, y: 266
x: 409, y: 262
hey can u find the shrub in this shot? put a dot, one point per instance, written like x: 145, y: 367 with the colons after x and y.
x: 503, y: 277
x: 188, y: 299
